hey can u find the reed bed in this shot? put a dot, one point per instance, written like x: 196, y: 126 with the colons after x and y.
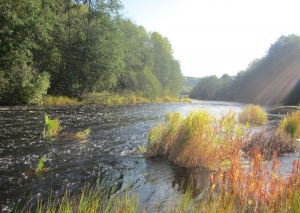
x: 253, y: 114
x: 199, y: 140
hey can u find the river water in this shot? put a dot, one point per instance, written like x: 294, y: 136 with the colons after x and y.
x: 110, y: 151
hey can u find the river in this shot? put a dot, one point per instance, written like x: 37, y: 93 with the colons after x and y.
x: 110, y: 150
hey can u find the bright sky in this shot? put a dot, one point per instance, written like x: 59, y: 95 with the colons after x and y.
x: 213, y: 37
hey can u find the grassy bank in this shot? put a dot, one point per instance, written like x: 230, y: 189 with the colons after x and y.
x: 104, y: 98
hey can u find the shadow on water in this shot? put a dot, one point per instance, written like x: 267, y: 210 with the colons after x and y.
x: 111, y: 151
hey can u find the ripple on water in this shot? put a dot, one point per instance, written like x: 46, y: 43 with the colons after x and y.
x: 117, y: 133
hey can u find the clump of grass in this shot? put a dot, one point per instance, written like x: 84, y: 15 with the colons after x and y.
x: 291, y: 124
x: 253, y: 114
x: 269, y: 140
x: 187, y: 100
x: 40, y: 164
x: 53, y: 126
x: 142, y: 149
x: 83, y: 134
x: 197, y: 140
x: 256, y: 189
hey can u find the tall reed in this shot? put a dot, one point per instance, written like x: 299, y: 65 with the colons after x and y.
x: 256, y: 189
x: 197, y: 140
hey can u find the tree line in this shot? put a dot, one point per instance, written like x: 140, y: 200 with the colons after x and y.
x: 272, y: 79
x: 74, y: 47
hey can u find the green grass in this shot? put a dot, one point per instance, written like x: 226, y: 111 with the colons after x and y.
x: 40, y: 164
x: 253, y: 114
x: 52, y: 125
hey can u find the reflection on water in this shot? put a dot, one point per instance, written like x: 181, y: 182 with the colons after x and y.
x: 111, y: 151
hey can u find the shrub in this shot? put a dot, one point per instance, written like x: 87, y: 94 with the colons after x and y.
x: 198, y: 140
x: 253, y: 114
x: 291, y: 124
x: 269, y: 140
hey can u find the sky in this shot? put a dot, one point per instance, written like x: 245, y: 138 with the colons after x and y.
x: 214, y: 37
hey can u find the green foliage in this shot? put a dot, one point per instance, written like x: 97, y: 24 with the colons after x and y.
x: 291, y: 124
x: 72, y: 48
x: 148, y: 84
x: 53, y: 126
x: 188, y: 84
x: 40, y: 165
x: 253, y: 114
x: 269, y: 80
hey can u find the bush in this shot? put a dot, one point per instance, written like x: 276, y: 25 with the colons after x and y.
x: 291, y: 124
x: 269, y: 140
x: 23, y: 85
x: 253, y: 114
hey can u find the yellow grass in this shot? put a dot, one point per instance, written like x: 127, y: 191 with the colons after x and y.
x: 253, y: 114
x: 291, y: 124
x: 197, y: 140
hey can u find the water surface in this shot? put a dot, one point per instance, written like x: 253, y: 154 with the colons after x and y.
x: 111, y: 151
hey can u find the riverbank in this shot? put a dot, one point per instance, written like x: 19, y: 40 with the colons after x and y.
x: 103, y: 98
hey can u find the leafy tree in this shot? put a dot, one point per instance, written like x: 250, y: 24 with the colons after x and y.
x: 20, y: 81
x: 272, y: 79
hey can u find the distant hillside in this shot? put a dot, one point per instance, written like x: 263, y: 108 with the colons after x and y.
x: 272, y: 79
x: 188, y: 84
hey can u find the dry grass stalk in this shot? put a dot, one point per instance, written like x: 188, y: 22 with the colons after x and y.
x: 256, y: 189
